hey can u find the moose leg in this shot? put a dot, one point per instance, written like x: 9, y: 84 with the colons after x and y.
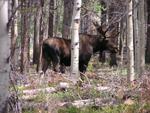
x: 62, y: 68
x: 113, y: 60
x: 45, y: 64
x: 102, y: 57
x: 83, y: 63
x: 56, y: 62
x: 82, y: 68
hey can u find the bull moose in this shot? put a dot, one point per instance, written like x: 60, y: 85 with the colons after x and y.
x: 58, y: 50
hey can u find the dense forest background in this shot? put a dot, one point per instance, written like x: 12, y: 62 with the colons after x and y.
x: 114, y: 82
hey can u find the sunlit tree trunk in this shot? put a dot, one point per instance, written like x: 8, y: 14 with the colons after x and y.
x: 4, y: 54
x: 68, y: 10
x: 75, y: 40
x: 130, y: 45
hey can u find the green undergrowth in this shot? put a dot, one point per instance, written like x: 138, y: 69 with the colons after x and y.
x: 122, y: 108
x: 90, y: 67
x: 60, y: 95
x: 30, y: 110
x: 64, y: 96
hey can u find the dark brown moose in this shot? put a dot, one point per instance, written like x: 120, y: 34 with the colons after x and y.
x: 58, y: 51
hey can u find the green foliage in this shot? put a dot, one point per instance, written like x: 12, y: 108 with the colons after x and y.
x: 41, y: 97
x: 65, y: 96
x: 146, y: 106
x: 147, y: 66
x: 35, y: 110
x: 90, y: 93
x: 69, y: 110
x: 122, y: 108
x: 123, y: 71
x: 93, y: 5
x: 90, y: 67
x: 98, y: 7
x: 21, y: 88
x: 31, y: 110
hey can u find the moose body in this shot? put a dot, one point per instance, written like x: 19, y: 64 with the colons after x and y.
x: 58, y: 51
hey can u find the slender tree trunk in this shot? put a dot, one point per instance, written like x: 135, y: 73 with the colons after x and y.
x: 148, y: 34
x: 68, y: 10
x: 58, y: 21
x: 36, y: 36
x: 142, y: 31
x: 24, y: 39
x: 42, y: 33
x: 123, y: 38
x: 75, y: 40
x: 136, y: 38
x: 28, y: 31
x: 14, y: 34
x: 51, y: 18
x: 131, y: 73
x: 139, y: 36
x: 4, y: 54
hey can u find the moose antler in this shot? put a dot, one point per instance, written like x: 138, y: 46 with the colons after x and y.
x: 102, y: 29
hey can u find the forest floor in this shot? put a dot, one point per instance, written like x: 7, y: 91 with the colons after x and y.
x: 104, y: 90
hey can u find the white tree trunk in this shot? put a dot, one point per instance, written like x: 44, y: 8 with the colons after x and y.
x: 130, y: 43
x: 4, y: 54
x: 75, y: 40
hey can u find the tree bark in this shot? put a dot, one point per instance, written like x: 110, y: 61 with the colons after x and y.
x: 142, y: 31
x: 68, y: 11
x: 131, y: 73
x: 14, y: 34
x: 136, y: 38
x: 4, y: 55
x: 42, y: 33
x: 36, y: 36
x: 139, y: 36
x: 148, y: 34
x: 51, y: 18
x: 24, y: 38
x: 75, y: 41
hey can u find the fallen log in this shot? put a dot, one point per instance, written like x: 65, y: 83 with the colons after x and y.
x: 90, y: 102
x: 98, y: 102
x: 36, y: 91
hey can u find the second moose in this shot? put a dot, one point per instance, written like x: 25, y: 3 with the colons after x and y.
x: 58, y: 50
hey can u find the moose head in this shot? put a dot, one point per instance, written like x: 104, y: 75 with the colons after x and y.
x: 107, y: 43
